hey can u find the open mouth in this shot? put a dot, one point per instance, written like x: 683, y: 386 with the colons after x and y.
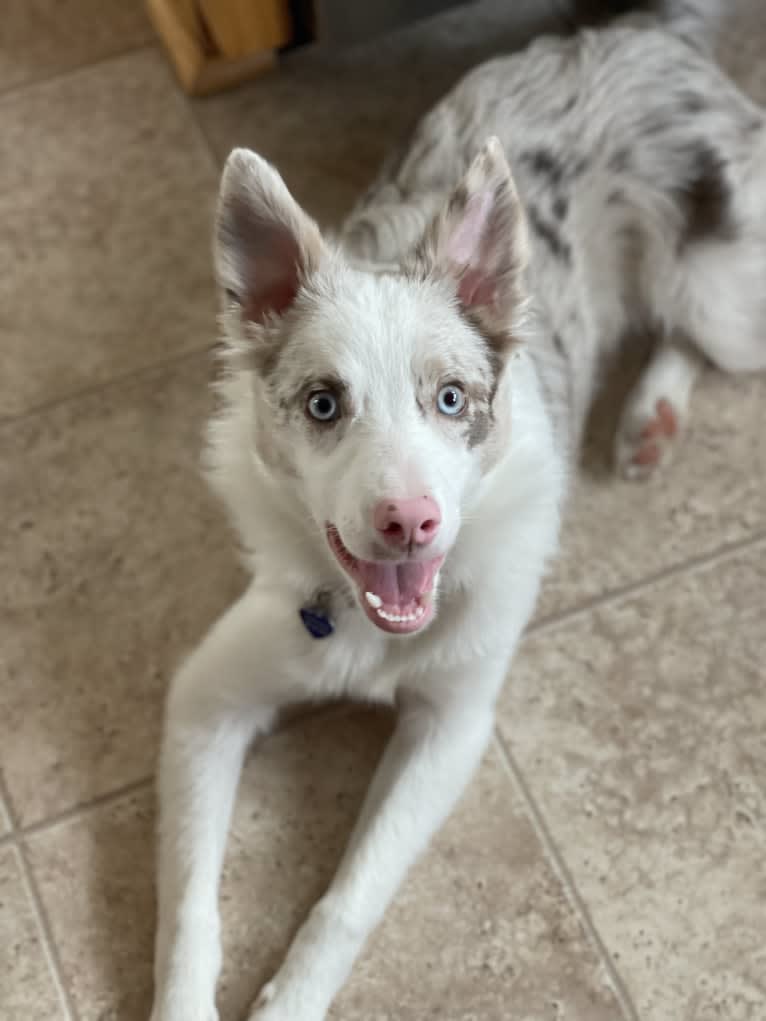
x: 397, y: 596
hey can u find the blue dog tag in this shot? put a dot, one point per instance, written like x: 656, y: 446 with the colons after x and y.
x: 316, y: 621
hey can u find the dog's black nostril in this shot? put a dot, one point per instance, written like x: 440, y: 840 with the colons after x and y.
x: 428, y: 526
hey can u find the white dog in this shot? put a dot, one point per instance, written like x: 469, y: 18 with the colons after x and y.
x: 400, y: 412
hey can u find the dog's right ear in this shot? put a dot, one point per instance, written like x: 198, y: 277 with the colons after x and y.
x: 265, y: 245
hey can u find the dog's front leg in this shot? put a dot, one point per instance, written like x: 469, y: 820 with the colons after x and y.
x: 434, y: 750
x: 219, y: 700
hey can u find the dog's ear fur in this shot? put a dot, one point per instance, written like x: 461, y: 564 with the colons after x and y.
x: 479, y: 240
x: 265, y: 244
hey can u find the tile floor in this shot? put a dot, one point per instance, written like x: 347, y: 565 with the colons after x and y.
x: 609, y: 861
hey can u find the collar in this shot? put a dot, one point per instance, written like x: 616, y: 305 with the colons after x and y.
x: 316, y: 615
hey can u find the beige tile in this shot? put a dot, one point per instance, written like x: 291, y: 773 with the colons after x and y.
x: 95, y: 876
x: 640, y: 730
x: 480, y: 930
x: 42, y: 38
x: 106, y: 191
x: 328, y: 119
x: 27, y: 989
x: 113, y: 560
x: 483, y: 929
x: 714, y: 493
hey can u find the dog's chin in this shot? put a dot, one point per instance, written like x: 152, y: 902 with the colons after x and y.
x: 396, y: 595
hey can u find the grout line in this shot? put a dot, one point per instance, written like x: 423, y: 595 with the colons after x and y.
x: 12, y: 91
x: 47, y: 941
x: 323, y: 710
x: 83, y: 807
x: 215, y: 160
x: 98, y: 387
x: 188, y: 104
x: 10, y: 810
x: 562, y: 871
x: 688, y: 566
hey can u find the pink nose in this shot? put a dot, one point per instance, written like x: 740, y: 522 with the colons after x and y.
x: 404, y: 523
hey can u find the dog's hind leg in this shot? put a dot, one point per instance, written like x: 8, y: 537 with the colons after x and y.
x: 721, y: 297
x: 656, y: 410
x: 706, y: 285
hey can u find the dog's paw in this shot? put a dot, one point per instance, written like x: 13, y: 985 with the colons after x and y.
x: 276, y: 1003
x: 646, y: 437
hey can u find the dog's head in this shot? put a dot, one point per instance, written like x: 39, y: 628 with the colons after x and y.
x: 375, y: 393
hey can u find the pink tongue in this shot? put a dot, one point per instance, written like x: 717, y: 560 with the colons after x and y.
x: 397, y: 584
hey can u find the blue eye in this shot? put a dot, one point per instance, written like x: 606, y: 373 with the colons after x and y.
x: 451, y: 400
x: 323, y: 406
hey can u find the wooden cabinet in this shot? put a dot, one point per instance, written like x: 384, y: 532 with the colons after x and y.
x: 217, y: 43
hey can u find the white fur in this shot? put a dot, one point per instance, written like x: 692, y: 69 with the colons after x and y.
x: 354, y: 314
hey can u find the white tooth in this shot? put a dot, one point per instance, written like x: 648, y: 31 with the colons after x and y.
x: 374, y: 600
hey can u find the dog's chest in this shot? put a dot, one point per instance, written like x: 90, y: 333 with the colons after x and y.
x: 349, y: 656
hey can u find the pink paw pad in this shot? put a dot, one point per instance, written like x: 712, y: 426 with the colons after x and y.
x: 664, y: 426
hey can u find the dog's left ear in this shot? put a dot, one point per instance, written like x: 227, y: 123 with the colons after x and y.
x: 265, y: 245
x: 479, y: 240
